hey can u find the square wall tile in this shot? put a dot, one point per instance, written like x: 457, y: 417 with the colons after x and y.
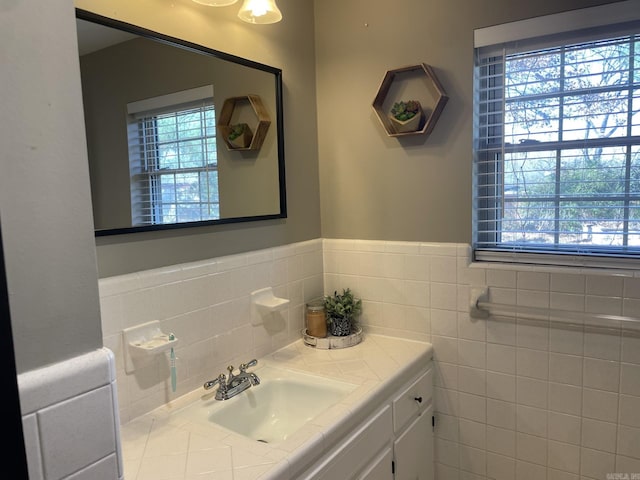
x: 532, y: 449
x: 472, y: 353
x: 501, y: 440
x: 501, y: 278
x: 532, y: 421
x: 599, y: 435
x: 569, y: 340
x: 532, y: 392
x: 601, y: 374
x: 501, y: 358
x: 629, y: 441
x: 605, y: 285
x: 532, y: 335
x: 567, y: 283
x: 565, y: 398
x: 602, y: 345
x: 68, y: 445
x: 630, y: 379
x: 500, y: 467
x: 533, y: 281
x: 565, y: 368
x: 444, y: 296
x: 564, y: 428
x: 530, y: 471
x: 473, y: 460
x: 596, y: 464
x: 564, y: 456
x: 472, y: 380
x: 501, y: 414
x: 629, y: 410
x: 501, y: 386
x: 473, y: 434
x: 532, y: 363
x: 472, y: 407
x: 600, y: 405
x: 567, y: 301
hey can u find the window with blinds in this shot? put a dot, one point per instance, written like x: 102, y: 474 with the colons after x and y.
x: 173, y: 160
x: 557, y: 149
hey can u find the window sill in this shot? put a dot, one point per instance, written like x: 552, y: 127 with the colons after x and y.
x: 577, y: 270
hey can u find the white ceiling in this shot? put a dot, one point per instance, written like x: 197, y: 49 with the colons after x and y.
x: 92, y: 36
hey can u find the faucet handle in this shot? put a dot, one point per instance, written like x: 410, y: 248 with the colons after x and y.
x: 251, y: 363
x: 220, y: 381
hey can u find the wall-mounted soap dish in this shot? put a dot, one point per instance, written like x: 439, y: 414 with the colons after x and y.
x: 263, y: 302
x: 157, y: 344
x: 145, y: 340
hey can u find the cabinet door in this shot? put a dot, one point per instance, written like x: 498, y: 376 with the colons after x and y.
x: 380, y: 468
x: 413, y: 450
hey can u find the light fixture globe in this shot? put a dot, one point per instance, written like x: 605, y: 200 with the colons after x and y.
x: 216, y: 3
x: 260, y: 11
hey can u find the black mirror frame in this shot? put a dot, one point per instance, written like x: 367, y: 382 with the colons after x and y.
x: 143, y: 32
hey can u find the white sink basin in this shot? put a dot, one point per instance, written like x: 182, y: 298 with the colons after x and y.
x: 272, y: 411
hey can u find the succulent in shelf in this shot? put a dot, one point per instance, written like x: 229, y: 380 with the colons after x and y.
x: 237, y: 130
x: 404, y: 111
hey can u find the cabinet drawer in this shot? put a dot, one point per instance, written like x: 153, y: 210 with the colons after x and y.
x: 413, y: 401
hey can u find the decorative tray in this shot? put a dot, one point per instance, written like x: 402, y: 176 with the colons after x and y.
x: 330, y: 342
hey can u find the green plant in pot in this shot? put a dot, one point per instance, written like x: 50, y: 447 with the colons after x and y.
x: 342, y: 310
x: 406, y: 115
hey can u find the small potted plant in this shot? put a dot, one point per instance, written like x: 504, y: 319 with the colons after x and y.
x: 342, y: 312
x: 406, y: 116
x: 240, y: 135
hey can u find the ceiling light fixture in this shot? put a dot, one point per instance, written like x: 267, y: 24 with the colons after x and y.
x: 260, y: 11
x: 216, y: 3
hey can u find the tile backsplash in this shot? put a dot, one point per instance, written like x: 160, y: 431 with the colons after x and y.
x: 207, y: 306
x: 514, y: 399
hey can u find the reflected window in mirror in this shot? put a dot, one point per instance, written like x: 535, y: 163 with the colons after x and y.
x: 173, y: 158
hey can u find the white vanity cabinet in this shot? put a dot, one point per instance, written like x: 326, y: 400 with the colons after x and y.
x: 395, y: 442
x: 413, y: 430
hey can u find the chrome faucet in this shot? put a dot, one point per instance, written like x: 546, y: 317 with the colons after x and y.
x: 231, y: 385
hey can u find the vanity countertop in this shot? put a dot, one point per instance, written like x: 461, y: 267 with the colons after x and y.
x: 157, y: 446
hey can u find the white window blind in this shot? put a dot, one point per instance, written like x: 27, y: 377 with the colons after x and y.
x: 173, y: 159
x: 557, y: 148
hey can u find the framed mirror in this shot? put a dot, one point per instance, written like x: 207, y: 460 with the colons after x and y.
x: 178, y: 135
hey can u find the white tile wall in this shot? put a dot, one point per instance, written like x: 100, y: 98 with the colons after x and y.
x: 70, y: 419
x: 207, y: 306
x: 514, y: 400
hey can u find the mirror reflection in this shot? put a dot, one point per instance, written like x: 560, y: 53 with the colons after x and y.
x: 177, y: 135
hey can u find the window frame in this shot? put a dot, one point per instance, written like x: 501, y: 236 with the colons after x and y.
x: 146, y: 172
x: 496, y: 43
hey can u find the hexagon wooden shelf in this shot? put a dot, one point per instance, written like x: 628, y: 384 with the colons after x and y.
x: 432, y: 100
x: 257, y: 134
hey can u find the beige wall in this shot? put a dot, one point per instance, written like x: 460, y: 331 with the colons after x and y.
x: 370, y: 185
x: 44, y: 187
x: 288, y: 45
x: 378, y: 187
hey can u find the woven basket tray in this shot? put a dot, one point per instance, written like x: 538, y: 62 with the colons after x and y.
x: 330, y: 342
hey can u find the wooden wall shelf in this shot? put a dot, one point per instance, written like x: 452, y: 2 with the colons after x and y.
x: 432, y: 97
x: 259, y: 131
